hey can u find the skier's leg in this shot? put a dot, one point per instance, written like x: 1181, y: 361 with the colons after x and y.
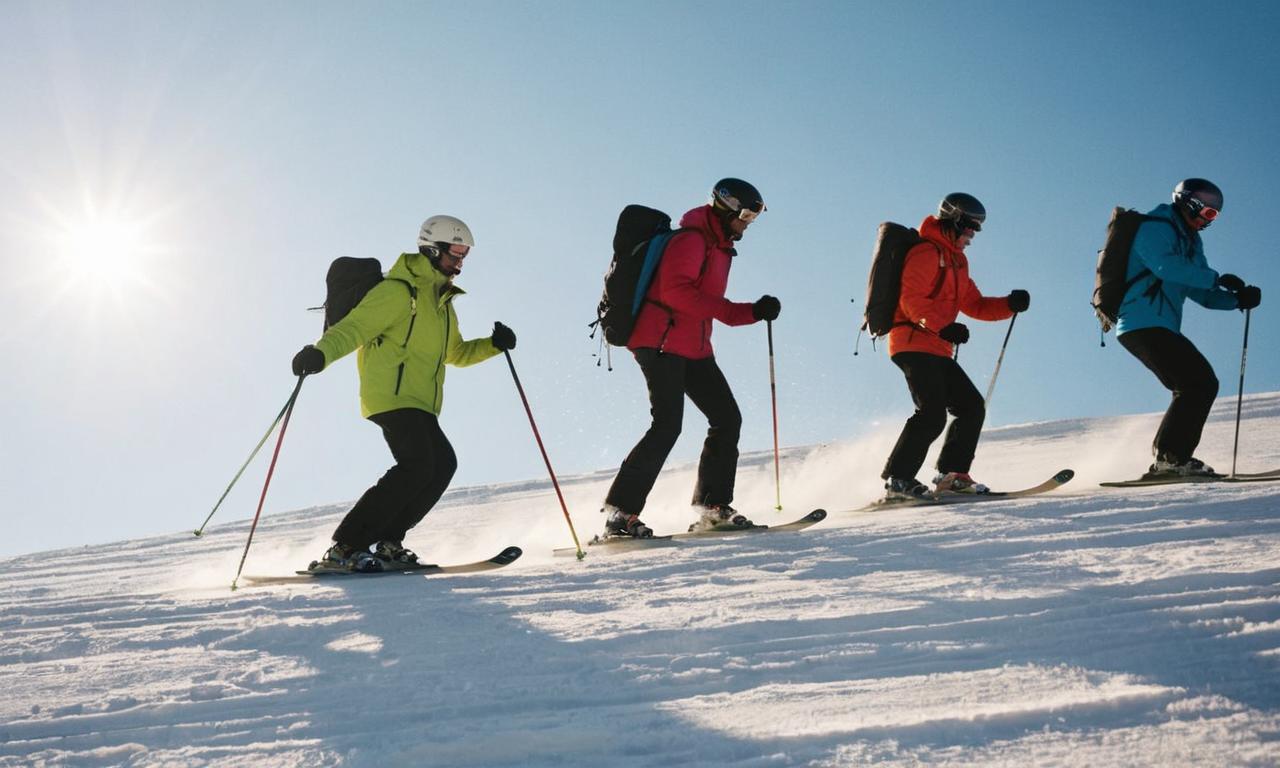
x: 1185, y: 372
x: 965, y: 403
x: 927, y: 383
x: 406, y: 436
x: 718, y: 467
x: 444, y: 462
x: 664, y: 376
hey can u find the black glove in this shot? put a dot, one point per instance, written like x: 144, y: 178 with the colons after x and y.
x: 766, y: 308
x: 309, y: 360
x: 1019, y: 300
x: 1248, y: 297
x: 956, y: 333
x: 1230, y: 282
x: 503, y: 337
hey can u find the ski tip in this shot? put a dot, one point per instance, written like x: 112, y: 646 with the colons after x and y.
x: 1065, y: 475
x: 507, y: 556
x: 817, y: 515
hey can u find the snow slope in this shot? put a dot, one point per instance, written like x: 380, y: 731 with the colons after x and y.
x: 1086, y: 627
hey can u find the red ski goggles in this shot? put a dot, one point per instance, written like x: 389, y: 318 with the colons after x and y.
x: 1202, y: 209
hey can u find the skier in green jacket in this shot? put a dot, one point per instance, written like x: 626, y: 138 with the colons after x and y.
x: 402, y: 344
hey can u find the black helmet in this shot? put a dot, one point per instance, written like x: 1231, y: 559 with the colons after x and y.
x: 962, y: 211
x: 734, y: 195
x: 1194, y: 195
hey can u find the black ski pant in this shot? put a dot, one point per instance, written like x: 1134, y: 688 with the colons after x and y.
x: 425, y: 463
x: 670, y: 378
x: 1183, y: 371
x: 938, y: 386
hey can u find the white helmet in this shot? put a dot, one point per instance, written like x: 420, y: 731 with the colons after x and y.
x: 445, y: 229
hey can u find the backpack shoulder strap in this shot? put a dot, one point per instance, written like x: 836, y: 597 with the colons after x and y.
x: 942, y: 270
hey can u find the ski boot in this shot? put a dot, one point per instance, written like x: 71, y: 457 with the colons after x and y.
x: 394, y: 555
x: 713, y: 516
x: 906, y: 489
x: 957, y: 482
x: 619, y: 523
x: 1167, y: 466
x: 341, y: 557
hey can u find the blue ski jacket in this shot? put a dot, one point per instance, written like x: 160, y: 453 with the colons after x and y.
x: 1172, y: 255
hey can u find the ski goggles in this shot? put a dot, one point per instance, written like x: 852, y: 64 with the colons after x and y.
x: 748, y: 215
x: 967, y: 222
x: 459, y: 251
x: 1202, y: 209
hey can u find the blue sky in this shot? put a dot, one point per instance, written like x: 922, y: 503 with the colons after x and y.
x: 175, y: 178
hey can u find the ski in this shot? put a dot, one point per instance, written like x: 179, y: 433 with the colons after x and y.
x: 628, y: 543
x: 1246, y: 477
x: 618, y: 544
x: 503, y: 558
x: 812, y: 518
x: 1061, y: 478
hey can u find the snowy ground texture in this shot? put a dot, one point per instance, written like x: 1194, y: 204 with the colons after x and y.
x: 1087, y: 627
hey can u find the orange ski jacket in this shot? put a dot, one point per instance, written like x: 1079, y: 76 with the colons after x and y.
x: 936, y: 288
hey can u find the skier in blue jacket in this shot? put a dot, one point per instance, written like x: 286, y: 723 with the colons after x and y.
x: 1167, y: 266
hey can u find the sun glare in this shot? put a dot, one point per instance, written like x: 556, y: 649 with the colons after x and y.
x: 104, y: 251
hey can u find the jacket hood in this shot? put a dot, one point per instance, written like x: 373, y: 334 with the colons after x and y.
x: 931, y: 230
x: 416, y: 268
x: 704, y: 219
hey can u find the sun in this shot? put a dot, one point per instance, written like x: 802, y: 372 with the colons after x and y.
x: 104, y: 250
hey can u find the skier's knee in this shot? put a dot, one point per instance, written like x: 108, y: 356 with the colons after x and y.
x: 932, y: 420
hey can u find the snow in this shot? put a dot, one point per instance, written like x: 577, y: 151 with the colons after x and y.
x: 1084, y: 627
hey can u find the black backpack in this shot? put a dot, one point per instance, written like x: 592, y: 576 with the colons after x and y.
x: 1109, y: 283
x: 884, y: 286
x: 639, y: 239
x: 347, y: 282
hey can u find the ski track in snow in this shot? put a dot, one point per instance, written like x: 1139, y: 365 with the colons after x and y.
x: 1085, y: 627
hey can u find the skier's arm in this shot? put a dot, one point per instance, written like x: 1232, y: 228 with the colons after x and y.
x: 463, y: 353
x: 677, y: 277
x: 1156, y: 247
x: 1214, y: 298
x: 383, y: 307
x: 980, y: 307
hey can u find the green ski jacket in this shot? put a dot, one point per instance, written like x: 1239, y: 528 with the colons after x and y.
x: 404, y: 343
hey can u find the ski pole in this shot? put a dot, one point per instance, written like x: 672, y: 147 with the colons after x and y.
x: 999, y: 360
x: 1244, y: 353
x: 554, y: 483
x: 200, y: 531
x: 288, y: 412
x: 773, y: 392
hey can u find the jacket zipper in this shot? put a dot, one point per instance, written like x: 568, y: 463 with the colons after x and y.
x: 413, y: 318
x: 444, y: 352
